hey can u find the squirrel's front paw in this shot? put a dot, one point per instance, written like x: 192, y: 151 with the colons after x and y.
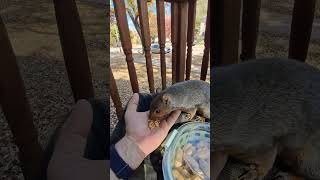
x: 183, y: 117
x: 250, y: 174
x: 188, y: 116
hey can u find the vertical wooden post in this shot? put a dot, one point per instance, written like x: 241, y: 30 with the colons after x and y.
x: 145, y: 35
x: 174, y: 33
x: 162, y: 39
x: 17, y: 111
x: 190, y: 36
x: 74, y: 49
x: 301, y: 28
x: 226, y: 28
x: 250, y: 28
x: 122, y: 22
x: 115, y: 95
x: 181, y: 25
x: 206, y: 52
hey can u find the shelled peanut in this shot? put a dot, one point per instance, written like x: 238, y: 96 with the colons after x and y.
x: 153, y: 123
x: 192, y: 162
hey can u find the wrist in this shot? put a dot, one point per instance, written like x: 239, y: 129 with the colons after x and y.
x: 130, y: 152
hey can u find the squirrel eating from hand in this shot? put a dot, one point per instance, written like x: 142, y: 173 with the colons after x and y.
x: 190, y: 96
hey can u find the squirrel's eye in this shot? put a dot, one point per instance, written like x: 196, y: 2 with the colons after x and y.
x: 158, y: 111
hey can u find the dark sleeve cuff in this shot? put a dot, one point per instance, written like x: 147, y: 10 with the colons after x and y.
x: 118, y: 165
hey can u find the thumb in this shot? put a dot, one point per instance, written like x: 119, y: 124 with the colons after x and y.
x: 169, y: 122
x: 73, y: 134
x: 80, y: 119
x: 133, y: 103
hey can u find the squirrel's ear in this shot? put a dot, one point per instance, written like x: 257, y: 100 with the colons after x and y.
x: 166, y: 99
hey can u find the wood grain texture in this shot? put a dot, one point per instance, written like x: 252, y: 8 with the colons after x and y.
x: 250, y: 28
x: 301, y: 28
x: 206, y: 51
x: 146, y: 38
x: 162, y: 40
x: 190, y: 35
x: 74, y: 49
x: 181, y: 25
x: 122, y: 22
x: 16, y: 109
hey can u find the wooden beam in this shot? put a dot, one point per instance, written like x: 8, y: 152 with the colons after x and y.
x: 226, y: 29
x: 301, y: 28
x: 162, y: 39
x: 206, y: 52
x: 181, y: 25
x: 122, y: 22
x: 115, y: 95
x: 174, y: 34
x: 146, y: 38
x: 190, y: 35
x: 74, y: 49
x: 250, y: 28
x: 16, y: 109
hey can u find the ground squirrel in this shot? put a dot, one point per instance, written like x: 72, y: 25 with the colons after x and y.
x: 188, y: 96
x: 264, y: 110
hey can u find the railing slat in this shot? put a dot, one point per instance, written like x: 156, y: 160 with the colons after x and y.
x: 206, y: 52
x: 181, y: 25
x: 250, y: 28
x: 162, y: 39
x: 115, y: 95
x: 174, y: 32
x: 190, y: 35
x: 301, y: 28
x: 145, y: 35
x: 17, y: 111
x: 74, y: 49
x: 226, y: 26
x: 122, y: 22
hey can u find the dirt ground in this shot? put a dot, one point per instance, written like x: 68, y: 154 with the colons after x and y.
x: 31, y: 25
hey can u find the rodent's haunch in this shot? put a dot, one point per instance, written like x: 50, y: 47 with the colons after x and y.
x: 188, y: 96
x: 266, y: 109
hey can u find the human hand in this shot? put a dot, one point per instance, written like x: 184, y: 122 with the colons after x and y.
x: 67, y: 161
x: 138, y: 130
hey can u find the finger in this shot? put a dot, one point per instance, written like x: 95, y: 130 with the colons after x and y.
x: 80, y: 119
x: 147, y: 112
x: 169, y: 122
x: 173, y: 118
x: 133, y: 103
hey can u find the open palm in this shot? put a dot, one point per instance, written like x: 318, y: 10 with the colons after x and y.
x: 138, y: 130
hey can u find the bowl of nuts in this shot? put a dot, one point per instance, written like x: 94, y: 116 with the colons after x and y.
x: 187, y: 154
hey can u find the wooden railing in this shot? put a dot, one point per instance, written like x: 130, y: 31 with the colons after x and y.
x: 13, y: 98
x: 226, y: 28
x: 183, y: 15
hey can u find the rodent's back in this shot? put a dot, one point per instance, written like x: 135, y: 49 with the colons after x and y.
x: 183, y: 95
x: 189, y: 93
x: 262, y: 100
